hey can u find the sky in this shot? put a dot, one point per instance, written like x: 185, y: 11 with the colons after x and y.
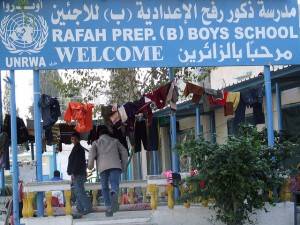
x: 24, y: 90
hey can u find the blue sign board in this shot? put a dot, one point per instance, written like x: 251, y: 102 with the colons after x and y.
x: 148, y: 33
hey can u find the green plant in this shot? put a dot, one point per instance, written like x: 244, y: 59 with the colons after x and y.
x: 239, y: 174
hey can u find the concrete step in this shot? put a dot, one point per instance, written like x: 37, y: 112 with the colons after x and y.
x: 60, y: 220
x: 134, y: 221
x: 120, y: 218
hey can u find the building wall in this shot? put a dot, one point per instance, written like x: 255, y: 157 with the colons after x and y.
x: 221, y: 126
x: 187, y: 123
x: 291, y: 96
x: 185, y: 126
x: 206, y: 129
x: 165, y: 149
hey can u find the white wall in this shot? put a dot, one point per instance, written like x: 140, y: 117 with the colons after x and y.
x: 225, y: 76
x: 205, y: 121
x: 221, y: 126
x: 281, y: 214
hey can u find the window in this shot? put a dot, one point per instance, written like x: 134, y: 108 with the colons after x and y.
x: 230, y: 128
x: 291, y: 131
x: 291, y: 120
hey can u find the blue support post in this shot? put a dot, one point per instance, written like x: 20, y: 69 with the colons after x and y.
x: 2, y: 181
x: 129, y: 172
x: 213, y: 127
x: 269, y: 107
x: 139, y: 165
x: 38, y: 139
x: 278, y: 105
x: 2, y: 176
x: 198, y: 122
x: 175, y: 156
x: 154, y: 162
x: 14, y: 147
x: 54, y: 165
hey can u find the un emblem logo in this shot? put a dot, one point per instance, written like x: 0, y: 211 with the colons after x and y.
x: 24, y: 33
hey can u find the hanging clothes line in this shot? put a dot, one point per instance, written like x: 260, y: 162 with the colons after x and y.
x: 134, y: 119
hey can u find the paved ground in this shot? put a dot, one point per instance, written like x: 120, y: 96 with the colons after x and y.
x: 282, y: 214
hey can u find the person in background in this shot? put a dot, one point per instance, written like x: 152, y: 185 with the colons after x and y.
x: 9, y: 204
x: 21, y: 198
x: 111, y: 157
x: 295, y: 185
x: 56, y: 176
x: 77, y: 171
x: 57, y: 196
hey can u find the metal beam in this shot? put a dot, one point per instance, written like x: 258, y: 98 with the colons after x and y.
x: 269, y: 105
x: 14, y: 147
x: 38, y: 139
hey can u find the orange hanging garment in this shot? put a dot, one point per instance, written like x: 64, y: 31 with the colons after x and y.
x: 82, y: 114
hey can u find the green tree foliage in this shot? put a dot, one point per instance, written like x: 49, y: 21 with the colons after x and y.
x: 130, y: 84
x: 239, y: 174
x: 47, y: 80
x: 123, y: 84
x: 85, y: 85
x: 82, y: 86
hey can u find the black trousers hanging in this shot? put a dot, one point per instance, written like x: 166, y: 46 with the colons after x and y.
x: 240, y: 115
x: 259, y: 116
x: 140, y: 135
x: 6, y: 158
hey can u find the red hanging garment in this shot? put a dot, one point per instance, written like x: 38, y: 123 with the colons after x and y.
x: 218, y: 101
x: 159, y: 96
x: 82, y: 114
x: 194, y: 89
x: 167, y: 94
